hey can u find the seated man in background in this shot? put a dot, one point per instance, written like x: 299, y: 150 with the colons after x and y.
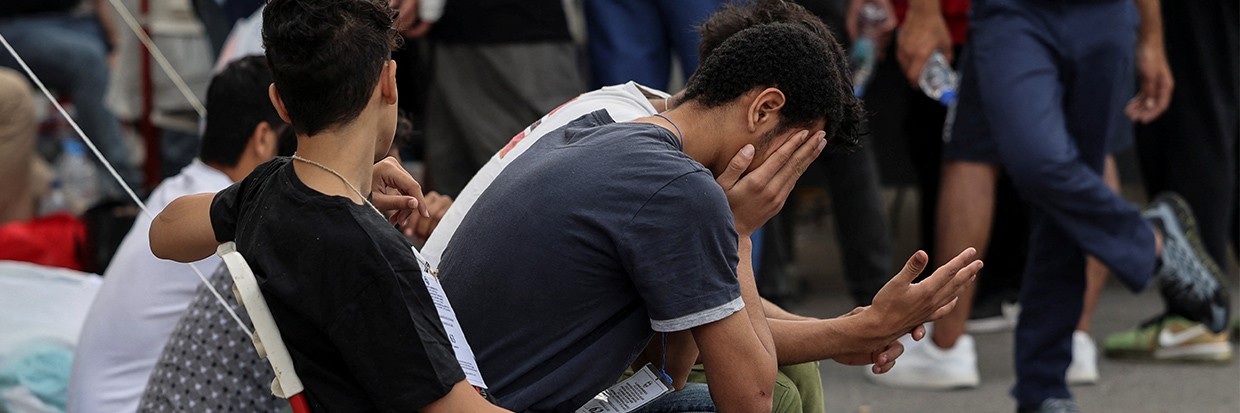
x: 142, y: 296
x: 608, y: 231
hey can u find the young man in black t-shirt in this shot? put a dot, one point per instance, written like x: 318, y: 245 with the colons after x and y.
x: 363, y: 331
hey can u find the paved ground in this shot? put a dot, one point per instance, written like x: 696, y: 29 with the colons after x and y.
x: 1125, y: 386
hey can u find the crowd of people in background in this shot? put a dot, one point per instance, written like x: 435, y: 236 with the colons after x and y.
x: 607, y: 183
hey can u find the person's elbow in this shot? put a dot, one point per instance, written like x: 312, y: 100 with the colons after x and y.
x: 182, y: 231
x: 161, y: 242
x: 751, y: 391
x: 756, y: 397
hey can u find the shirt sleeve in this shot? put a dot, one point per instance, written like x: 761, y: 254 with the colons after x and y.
x: 227, y: 204
x: 681, y: 251
x: 392, y: 340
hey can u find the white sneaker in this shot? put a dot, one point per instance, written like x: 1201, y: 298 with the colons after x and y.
x: 1084, y: 367
x: 998, y: 323
x: 925, y: 366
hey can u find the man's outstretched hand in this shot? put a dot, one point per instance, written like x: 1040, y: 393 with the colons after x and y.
x: 903, y: 305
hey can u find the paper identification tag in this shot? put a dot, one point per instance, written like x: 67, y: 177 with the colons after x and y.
x: 631, y: 394
x: 464, y: 354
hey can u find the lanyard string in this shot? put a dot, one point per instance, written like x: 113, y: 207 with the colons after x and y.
x: 678, y: 134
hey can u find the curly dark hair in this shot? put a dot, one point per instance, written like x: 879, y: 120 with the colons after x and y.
x: 326, y: 56
x: 843, y: 111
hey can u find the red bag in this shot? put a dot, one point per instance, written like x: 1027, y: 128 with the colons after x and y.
x: 56, y: 240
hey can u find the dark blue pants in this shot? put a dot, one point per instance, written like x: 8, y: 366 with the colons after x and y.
x: 1044, y: 86
x: 635, y: 39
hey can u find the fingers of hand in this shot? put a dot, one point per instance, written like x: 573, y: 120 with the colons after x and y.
x: 915, y: 265
x: 776, y: 161
x: 809, y: 150
x: 736, y: 167
x: 918, y: 332
x: 944, y: 310
x: 948, y: 271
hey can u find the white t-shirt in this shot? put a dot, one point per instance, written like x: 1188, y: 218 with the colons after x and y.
x: 138, y: 306
x: 623, y: 103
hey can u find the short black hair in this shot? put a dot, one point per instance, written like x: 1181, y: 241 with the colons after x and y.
x: 326, y: 56
x: 237, y: 102
x: 836, y: 101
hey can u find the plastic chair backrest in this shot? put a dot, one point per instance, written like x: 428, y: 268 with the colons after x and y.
x: 267, y: 339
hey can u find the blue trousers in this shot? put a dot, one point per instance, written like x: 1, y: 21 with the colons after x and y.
x: 635, y: 39
x: 1044, y: 86
x: 68, y: 53
x: 694, y: 398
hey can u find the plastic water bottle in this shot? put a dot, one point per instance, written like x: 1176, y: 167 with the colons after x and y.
x: 865, y: 48
x: 54, y: 201
x: 79, y: 180
x: 938, y: 80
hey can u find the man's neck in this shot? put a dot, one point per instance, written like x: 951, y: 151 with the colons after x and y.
x: 348, y: 150
x: 700, y: 131
x: 234, y: 173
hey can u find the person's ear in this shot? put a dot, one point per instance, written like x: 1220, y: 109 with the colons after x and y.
x: 764, y: 109
x: 387, y: 82
x: 262, y: 141
x: 278, y: 102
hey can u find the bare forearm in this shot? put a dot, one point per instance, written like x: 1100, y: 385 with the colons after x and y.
x: 182, y: 231
x: 749, y: 293
x: 738, y: 352
x: 813, y: 340
x: 775, y: 312
x: 1150, y: 32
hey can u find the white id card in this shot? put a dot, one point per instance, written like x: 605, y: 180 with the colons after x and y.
x: 464, y: 354
x: 631, y: 394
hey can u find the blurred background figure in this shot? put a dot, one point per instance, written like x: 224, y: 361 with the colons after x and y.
x: 636, y: 39
x: 497, y: 66
x: 70, y: 46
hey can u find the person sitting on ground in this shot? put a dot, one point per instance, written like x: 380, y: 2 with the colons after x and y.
x: 363, y: 332
x: 636, y: 235
x: 142, y: 297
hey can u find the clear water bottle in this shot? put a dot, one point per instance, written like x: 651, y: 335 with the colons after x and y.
x: 54, y: 201
x: 938, y: 80
x: 865, y: 48
x: 79, y: 179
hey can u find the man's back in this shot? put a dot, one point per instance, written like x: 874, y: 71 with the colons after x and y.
x: 598, y: 233
x: 345, y: 290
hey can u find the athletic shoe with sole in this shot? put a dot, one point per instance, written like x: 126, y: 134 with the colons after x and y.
x: 1084, y: 366
x: 1187, y: 277
x: 925, y: 366
x: 1054, y: 406
x: 1001, y: 317
x: 1169, y: 338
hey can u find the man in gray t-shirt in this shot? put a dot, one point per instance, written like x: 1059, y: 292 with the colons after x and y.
x: 631, y: 256
x: 603, y: 233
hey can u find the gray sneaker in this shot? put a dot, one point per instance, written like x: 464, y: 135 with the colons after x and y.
x: 1054, y: 406
x: 1187, y: 277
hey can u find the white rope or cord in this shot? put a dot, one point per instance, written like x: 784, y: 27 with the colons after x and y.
x: 159, y: 56
x: 91, y: 144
